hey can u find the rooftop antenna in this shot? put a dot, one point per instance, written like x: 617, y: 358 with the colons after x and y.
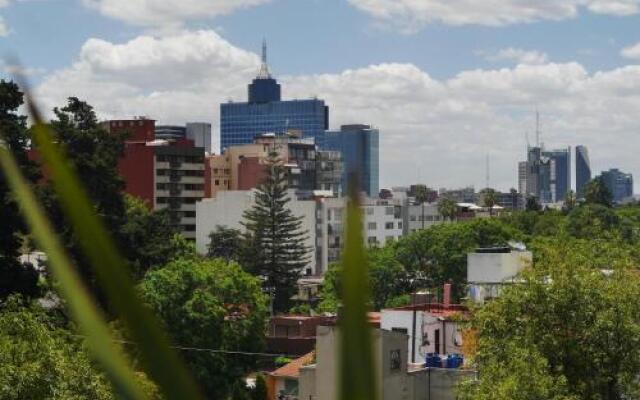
x: 264, y: 67
x: 488, y: 175
x: 537, y: 128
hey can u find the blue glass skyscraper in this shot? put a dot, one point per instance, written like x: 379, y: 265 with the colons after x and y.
x: 619, y: 184
x: 583, y: 170
x: 360, y: 149
x: 241, y: 123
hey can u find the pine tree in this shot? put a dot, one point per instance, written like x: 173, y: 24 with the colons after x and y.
x: 275, y: 236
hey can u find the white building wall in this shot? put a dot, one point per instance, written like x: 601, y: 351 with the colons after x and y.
x: 450, y: 338
x: 228, y: 207
x: 496, y: 267
x: 382, y: 223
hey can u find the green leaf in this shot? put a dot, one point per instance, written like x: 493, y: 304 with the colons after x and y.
x: 356, y: 352
x: 159, y: 361
x: 89, y: 318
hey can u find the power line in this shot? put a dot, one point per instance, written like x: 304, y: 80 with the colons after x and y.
x: 208, y: 350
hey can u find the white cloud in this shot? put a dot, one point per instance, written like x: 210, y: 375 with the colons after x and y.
x: 162, y: 13
x: 520, y: 56
x: 631, y: 52
x: 411, y: 15
x: 4, y: 29
x: 442, y: 128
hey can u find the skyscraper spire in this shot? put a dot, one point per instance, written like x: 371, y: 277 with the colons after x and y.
x: 264, y: 68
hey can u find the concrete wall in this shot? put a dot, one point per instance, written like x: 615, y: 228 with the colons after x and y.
x: 496, y: 267
x: 438, y: 384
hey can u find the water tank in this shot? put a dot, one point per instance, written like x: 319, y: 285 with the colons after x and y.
x: 433, y: 360
x: 454, y: 361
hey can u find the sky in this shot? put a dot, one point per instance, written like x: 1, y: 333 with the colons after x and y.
x: 449, y: 83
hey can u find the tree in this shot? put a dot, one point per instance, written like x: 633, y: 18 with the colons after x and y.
x: 14, y: 276
x: 570, y: 200
x: 278, y: 253
x: 210, y: 304
x: 448, y: 209
x: 592, y: 221
x: 226, y: 243
x: 93, y: 153
x: 260, y: 391
x: 438, y: 255
x: 490, y: 198
x: 574, y: 327
x: 533, y: 204
x: 41, y: 360
x: 147, y: 237
x: 596, y: 192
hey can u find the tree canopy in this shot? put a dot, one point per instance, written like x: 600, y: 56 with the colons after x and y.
x: 568, y: 331
x: 210, y: 304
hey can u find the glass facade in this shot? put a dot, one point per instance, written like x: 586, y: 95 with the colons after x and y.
x: 619, y: 184
x: 359, y: 145
x: 241, y: 123
x: 583, y: 170
x: 559, y: 173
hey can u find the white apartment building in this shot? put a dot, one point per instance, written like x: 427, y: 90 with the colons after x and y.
x: 421, y: 216
x: 323, y: 219
x: 228, y: 207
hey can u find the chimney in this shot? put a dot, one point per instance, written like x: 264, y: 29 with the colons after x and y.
x: 446, y: 296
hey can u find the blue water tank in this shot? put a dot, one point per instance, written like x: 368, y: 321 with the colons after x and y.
x: 433, y: 360
x: 454, y: 361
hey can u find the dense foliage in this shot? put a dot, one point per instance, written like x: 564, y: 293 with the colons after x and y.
x: 40, y: 359
x: 210, y: 304
x: 14, y: 276
x: 569, y: 331
x: 275, y: 239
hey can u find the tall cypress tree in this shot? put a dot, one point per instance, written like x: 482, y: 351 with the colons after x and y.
x: 278, y: 252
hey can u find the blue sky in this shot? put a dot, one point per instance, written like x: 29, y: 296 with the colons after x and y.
x: 443, y: 79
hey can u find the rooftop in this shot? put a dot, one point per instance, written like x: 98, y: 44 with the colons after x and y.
x: 292, y: 370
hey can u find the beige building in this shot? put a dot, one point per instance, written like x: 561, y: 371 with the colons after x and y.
x: 395, y: 378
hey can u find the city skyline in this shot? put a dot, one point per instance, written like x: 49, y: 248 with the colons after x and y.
x: 444, y: 92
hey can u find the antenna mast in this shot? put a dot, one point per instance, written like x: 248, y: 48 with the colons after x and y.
x: 488, y: 175
x: 537, y: 128
x: 264, y: 67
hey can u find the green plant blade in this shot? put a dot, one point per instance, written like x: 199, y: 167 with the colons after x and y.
x: 160, y: 362
x: 356, y: 359
x: 84, y: 311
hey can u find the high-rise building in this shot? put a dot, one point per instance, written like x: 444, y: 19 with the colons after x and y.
x: 620, y: 184
x: 559, y: 170
x: 243, y: 167
x: 265, y: 112
x: 359, y: 145
x: 545, y: 175
x: 522, y: 177
x: 583, y: 170
x: 166, y: 173
x: 200, y: 133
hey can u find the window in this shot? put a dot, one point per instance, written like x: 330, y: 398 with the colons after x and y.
x: 388, y: 225
x: 372, y: 226
x: 412, y: 218
x: 369, y: 210
x: 372, y: 240
x: 399, y: 225
x: 161, y: 186
x: 401, y: 330
x: 390, y: 238
x: 388, y: 210
x: 217, y: 182
x: 215, y: 170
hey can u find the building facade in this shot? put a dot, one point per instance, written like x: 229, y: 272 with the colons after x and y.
x: 546, y: 175
x: 265, y: 112
x: 360, y: 148
x: 583, y: 170
x: 167, y: 172
x: 620, y: 184
x: 243, y: 167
